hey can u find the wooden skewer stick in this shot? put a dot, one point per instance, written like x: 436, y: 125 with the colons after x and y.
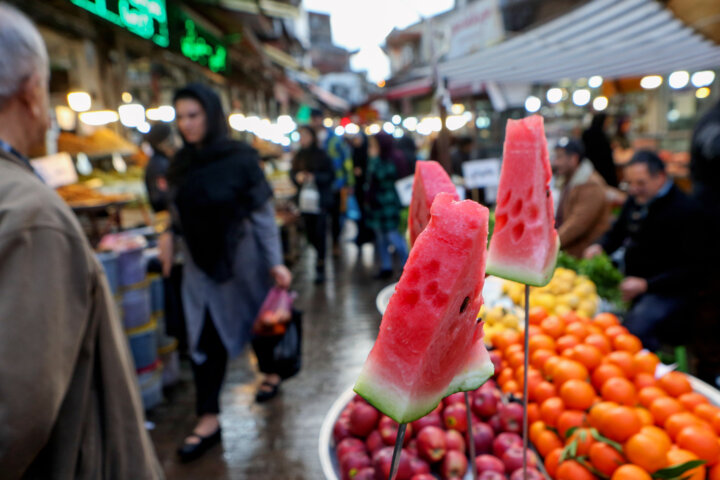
x: 471, y: 438
x: 397, y: 451
x: 525, y: 381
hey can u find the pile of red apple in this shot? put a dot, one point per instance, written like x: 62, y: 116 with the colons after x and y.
x: 435, y: 445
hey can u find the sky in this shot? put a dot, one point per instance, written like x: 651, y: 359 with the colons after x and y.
x: 363, y: 25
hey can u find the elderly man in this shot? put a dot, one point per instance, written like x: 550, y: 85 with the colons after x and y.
x: 583, y: 212
x: 658, y: 229
x: 69, y: 404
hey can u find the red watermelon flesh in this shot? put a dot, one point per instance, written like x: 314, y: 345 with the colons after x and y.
x: 430, y: 343
x: 524, y: 245
x: 430, y: 179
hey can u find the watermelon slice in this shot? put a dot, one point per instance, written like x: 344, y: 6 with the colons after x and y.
x: 524, y: 245
x: 430, y: 179
x: 430, y: 343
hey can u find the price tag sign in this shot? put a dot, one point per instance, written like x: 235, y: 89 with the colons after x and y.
x: 403, y: 187
x: 481, y: 173
x: 56, y: 170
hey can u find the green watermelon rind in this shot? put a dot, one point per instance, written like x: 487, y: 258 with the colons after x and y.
x: 519, y: 274
x: 381, y: 398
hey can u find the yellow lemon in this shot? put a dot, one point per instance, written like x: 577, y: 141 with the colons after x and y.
x: 511, y: 320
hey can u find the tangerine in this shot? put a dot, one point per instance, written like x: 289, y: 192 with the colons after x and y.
x: 546, y: 442
x: 678, y: 456
x: 646, y: 453
x: 504, y: 338
x: 598, y: 411
x: 605, y: 372
x: 543, y: 391
x: 647, y: 395
x: 537, y: 314
x: 599, y: 341
x: 515, y: 347
x: 533, y: 412
x: 550, y: 410
x: 614, y: 330
x: 645, y: 416
x: 567, y: 370
x: 677, y: 421
x: 604, y: 458
x: 550, y: 365
x: 620, y: 390
x: 714, y: 472
x: 577, y: 394
x: 584, y: 440
x: 516, y: 360
x: 511, y: 386
x: 630, y: 472
x: 605, y: 320
x: 706, y: 412
x: 661, y: 409
x: 701, y: 441
x: 675, y: 383
x: 691, y: 400
x: 622, y: 359
x: 541, y: 342
x: 566, y: 342
x: 659, y: 435
x: 572, y: 470
x: 569, y: 419
x: 539, y: 357
x: 506, y: 374
x: 535, y: 429
x: 553, y: 326
x: 588, y: 355
x: 645, y: 362
x: 643, y: 380
x: 552, y: 460
x: 620, y: 423
x: 577, y: 328
x: 627, y: 342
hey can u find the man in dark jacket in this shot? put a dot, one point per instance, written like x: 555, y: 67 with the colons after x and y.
x: 162, y: 142
x: 656, y: 227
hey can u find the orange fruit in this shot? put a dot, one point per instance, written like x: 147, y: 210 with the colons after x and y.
x: 593, y: 329
x: 714, y: 472
x: 550, y: 410
x: 533, y: 412
x: 599, y: 341
x: 588, y: 355
x: 605, y: 372
x: 571, y: 317
x: 630, y: 472
x: 572, y: 470
x: 504, y: 338
x: 706, y: 412
x: 605, y: 320
x: 566, y: 342
x: 535, y: 429
x: 716, y: 423
x: 568, y: 370
x: 627, y: 342
x: 550, y: 364
x: 543, y: 391
x: 659, y: 435
x: 551, y: 461
x: 643, y: 380
x: 700, y: 441
x: 541, y: 342
x: 546, y: 442
x: 677, y: 421
x: 569, y: 419
x: 567, y: 353
x: 598, y: 411
x: 661, y: 409
x: 553, y: 326
x: 532, y: 330
x: 646, y: 453
x: 577, y: 394
x: 620, y: 423
x: 584, y: 440
x: 620, y: 390
x: 645, y: 362
x: 691, y: 400
x: 604, y: 458
x: 648, y: 394
x: 576, y: 328
x: 678, y: 456
x: 623, y: 360
x: 675, y: 383
x: 614, y: 330
x: 516, y: 360
x: 515, y: 347
x: 506, y: 374
x: 539, y: 357
x: 646, y: 417
x: 537, y: 314
x: 511, y: 386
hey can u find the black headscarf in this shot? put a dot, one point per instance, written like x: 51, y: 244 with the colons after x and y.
x: 215, y: 186
x: 598, y: 149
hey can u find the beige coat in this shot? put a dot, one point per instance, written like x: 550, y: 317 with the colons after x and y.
x: 69, y: 403
x: 584, y: 210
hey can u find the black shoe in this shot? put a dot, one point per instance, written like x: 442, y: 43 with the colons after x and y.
x: 263, y: 395
x: 192, y: 451
x: 384, y: 275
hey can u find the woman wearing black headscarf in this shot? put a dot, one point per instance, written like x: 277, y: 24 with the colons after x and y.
x: 224, y: 219
x: 598, y: 149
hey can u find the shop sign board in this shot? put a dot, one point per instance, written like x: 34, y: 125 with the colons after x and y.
x: 145, y: 18
x: 475, y: 27
x: 481, y: 173
x: 404, y: 188
x: 202, y: 47
x: 56, y: 170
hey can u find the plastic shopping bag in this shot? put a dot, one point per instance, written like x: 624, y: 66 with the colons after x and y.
x: 275, y: 312
x: 309, y: 201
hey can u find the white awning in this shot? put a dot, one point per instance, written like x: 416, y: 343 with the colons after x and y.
x: 611, y: 38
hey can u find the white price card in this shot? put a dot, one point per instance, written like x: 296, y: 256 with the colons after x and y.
x: 481, y: 173
x: 56, y: 170
x: 403, y: 187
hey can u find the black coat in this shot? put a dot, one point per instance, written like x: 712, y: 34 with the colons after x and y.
x: 599, y: 152
x: 662, y: 246
x: 155, y: 170
x: 314, y: 160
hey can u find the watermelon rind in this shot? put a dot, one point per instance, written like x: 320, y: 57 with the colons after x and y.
x: 518, y: 273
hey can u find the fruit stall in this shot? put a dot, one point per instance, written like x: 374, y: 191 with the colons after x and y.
x: 469, y: 369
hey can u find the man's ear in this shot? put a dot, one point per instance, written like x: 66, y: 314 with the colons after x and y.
x: 30, y: 93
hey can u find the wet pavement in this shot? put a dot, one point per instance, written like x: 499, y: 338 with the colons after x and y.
x: 278, y: 440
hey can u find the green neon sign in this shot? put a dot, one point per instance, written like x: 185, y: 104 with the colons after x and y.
x: 202, y: 48
x: 145, y: 18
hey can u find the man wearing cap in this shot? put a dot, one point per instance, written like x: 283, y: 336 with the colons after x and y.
x: 583, y: 213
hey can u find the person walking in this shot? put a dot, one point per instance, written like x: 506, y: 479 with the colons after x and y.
x: 69, y: 400
x: 598, y: 149
x: 163, y: 148
x: 224, y: 221
x: 312, y: 167
x: 382, y: 202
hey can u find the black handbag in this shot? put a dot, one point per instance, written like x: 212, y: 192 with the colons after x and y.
x: 281, y: 354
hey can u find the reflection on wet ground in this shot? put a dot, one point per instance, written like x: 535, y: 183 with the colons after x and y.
x: 279, y: 440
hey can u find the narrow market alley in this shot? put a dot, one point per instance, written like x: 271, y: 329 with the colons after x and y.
x: 279, y: 439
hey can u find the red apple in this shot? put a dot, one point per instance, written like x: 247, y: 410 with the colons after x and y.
x: 352, y: 463
x: 504, y: 441
x: 367, y: 473
x: 341, y: 430
x: 431, y: 444
x: 454, y: 440
x: 483, y: 436
x: 412, y: 447
x: 496, y: 424
x: 513, y: 457
x: 348, y: 445
x: 431, y: 418
x: 532, y: 474
x: 439, y: 409
x: 511, y: 415
x: 489, y: 463
x: 374, y: 442
x: 455, y: 417
x: 419, y: 466
x: 363, y: 419
x: 454, y: 398
x: 423, y: 476
x: 358, y: 399
x: 485, y: 402
x: 383, y: 462
x: 496, y: 359
x: 454, y: 465
x: 389, y: 429
x: 491, y: 475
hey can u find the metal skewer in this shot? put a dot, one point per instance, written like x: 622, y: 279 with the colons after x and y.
x: 525, y: 381
x: 397, y: 451
x: 471, y: 438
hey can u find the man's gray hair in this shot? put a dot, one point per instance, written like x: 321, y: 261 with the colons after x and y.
x: 22, y: 51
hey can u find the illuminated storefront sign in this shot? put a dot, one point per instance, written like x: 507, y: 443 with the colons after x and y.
x: 202, y: 48
x: 145, y: 18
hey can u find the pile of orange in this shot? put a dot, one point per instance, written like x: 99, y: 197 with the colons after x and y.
x: 592, y: 387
